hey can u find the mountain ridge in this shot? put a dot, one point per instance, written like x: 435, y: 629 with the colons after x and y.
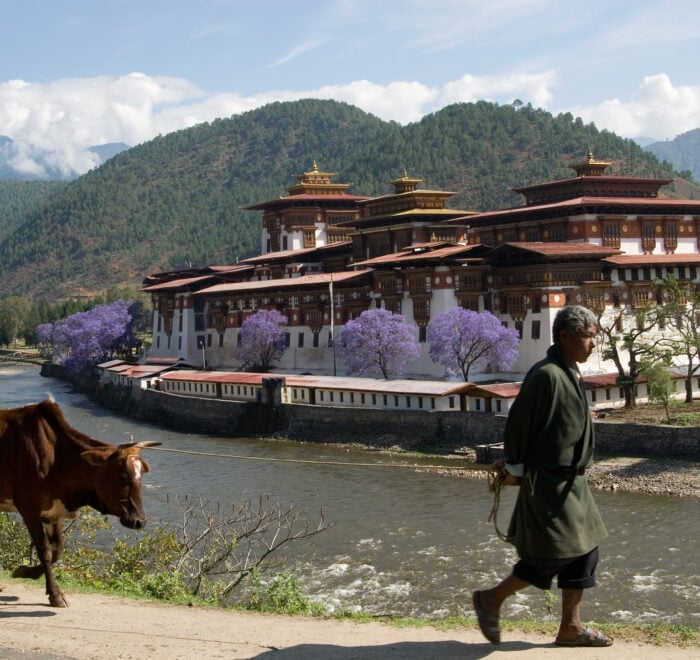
x: 178, y: 199
x: 683, y: 152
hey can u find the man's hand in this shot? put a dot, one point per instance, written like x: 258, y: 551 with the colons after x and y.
x: 504, y: 477
x: 510, y: 479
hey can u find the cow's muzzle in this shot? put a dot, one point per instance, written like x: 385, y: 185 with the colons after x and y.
x: 133, y: 522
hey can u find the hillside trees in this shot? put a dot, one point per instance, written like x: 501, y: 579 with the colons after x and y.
x: 262, y: 340
x: 460, y: 339
x: 180, y: 199
x: 13, y: 316
x: 377, y: 341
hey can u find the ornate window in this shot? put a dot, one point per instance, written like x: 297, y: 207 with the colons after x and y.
x: 611, y: 233
x: 648, y: 236
x: 309, y: 238
x: 670, y: 235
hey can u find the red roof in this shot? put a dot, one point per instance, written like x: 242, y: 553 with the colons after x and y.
x: 306, y: 198
x: 242, y: 378
x: 559, y: 249
x: 287, y: 254
x: 652, y: 259
x: 286, y: 282
x: 406, y: 387
x: 567, y: 204
x: 175, y: 284
x: 497, y: 390
x: 139, y: 370
x: 418, y: 253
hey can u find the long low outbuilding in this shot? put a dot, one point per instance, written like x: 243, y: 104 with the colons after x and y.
x: 602, y: 390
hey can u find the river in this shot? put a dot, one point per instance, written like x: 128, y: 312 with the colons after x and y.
x: 404, y: 542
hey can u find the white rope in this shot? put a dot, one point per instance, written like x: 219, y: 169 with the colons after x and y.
x: 241, y: 457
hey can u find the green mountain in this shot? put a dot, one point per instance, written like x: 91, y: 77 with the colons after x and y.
x: 683, y: 152
x: 177, y: 200
x: 19, y: 199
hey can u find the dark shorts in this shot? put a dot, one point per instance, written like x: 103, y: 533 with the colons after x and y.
x: 571, y: 572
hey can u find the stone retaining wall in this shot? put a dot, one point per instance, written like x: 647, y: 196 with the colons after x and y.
x: 411, y: 430
x: 647, y: 440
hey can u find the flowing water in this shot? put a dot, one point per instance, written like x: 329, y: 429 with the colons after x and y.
x: 404, y: 542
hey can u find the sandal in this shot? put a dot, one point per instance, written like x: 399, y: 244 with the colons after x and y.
x: 488, y: 623
x: 587, y: 638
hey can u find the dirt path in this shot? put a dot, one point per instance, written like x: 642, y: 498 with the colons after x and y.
x: 106, y: 627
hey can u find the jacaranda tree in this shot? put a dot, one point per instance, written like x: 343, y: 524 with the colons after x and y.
x: 378, y: 340
x: 262, y: 340
x: 82, y: 340
x: 460, y: 339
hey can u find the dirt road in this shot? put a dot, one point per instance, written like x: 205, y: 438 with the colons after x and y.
x: 106, y: 627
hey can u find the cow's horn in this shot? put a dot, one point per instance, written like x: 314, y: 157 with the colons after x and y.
x: 140, y: 445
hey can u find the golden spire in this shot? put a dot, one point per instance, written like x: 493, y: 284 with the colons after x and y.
x: 591, y: 166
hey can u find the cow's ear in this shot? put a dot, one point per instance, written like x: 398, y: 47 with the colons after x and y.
x: 146, y: 467
x: 95, y: 456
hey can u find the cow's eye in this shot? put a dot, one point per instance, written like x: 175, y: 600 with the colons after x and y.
x: 123, y: 476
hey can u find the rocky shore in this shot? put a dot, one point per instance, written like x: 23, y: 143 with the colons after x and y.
x: 656, y: 476
x: 652, y: 475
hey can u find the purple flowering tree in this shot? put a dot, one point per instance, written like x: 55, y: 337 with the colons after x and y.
x: 378, y: 340
x: 460, y: 339
x: 83, y: 340
x: 262, y: 339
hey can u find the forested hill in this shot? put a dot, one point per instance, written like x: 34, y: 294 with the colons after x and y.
x: 19, y: 199
x: 683, y: 152
x: 177, y: 199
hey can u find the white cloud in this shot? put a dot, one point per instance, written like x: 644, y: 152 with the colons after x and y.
x: 656, y: 109
x: 66, y: 117
x: 532, y: 88
x: 88, y: 111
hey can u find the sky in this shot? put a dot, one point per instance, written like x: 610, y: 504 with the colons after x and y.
x: 80, y: 73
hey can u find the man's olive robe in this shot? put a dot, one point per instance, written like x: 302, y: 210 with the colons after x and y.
x: 550, y: 432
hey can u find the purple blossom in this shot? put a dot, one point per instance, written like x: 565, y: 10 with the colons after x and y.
x: 460, y: 339
x: 83, y: 340
x: 378, y: 340
x: 262, y: 339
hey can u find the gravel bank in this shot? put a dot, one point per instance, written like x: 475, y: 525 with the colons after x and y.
x: 657, y: 476
x: 647, y: 475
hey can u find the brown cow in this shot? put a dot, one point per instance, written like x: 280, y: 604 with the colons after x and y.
x: 48, y: 470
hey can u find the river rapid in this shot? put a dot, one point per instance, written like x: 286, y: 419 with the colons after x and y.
x: 403, y: 542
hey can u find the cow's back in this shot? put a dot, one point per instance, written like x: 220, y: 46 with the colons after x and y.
x: 30, y: 439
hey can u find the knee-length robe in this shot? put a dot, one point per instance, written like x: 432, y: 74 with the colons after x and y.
x: 550, y: 432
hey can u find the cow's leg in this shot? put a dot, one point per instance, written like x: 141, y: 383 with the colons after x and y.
x: 43, y: 548
x: 54, y: 533
x: 55, y: 537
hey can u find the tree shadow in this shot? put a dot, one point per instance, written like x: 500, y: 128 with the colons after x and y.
x: 400, y: 650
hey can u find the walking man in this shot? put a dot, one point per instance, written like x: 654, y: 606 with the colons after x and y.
x: 555, y: 526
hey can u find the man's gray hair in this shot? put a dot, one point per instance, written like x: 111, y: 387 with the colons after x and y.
x: 574, y: 318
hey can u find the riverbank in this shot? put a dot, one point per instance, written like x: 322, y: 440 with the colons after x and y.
x: 651, y: 475
x: 106, y: 627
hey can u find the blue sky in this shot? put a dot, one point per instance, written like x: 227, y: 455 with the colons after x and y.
x: 78, y: 73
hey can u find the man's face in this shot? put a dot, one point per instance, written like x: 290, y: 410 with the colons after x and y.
x: 578, y: 346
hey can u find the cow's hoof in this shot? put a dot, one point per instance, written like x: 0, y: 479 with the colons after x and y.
x: 58, y: 600
x: 29, y: 572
